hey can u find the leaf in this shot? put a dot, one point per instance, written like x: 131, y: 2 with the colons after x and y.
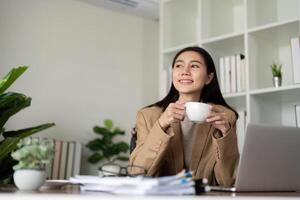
x: 96, y: 144
x: 6, y: 168
x: 95, y: 157
x: 108, y: 124
x: 101, y: 130
x: 7, y: 146
x: 10, y: 104
x: 26, y: 132
x: 10, y: 78
x: 119, y: 148
x: 117, y: 131
x: 106, y: 134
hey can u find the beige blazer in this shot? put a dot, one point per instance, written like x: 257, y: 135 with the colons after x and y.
x: 214, y: 156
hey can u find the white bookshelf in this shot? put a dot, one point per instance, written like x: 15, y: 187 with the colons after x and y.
x: 259, y: 29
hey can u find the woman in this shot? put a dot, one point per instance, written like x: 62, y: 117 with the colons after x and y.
x: 168, y: 142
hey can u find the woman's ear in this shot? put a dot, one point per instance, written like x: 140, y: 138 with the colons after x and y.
x: 209, y: 78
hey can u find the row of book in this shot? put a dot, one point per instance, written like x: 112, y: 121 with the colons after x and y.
x: 232, y: 72
x: 67, y: 159
x: 295, y: 46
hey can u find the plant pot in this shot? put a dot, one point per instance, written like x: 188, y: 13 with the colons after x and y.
x: 29, y: 179
x: 109, y: 169
x: 277, y: 81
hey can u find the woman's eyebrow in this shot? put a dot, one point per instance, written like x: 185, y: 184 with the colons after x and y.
x: 179, y: 61
x: 197, y: 61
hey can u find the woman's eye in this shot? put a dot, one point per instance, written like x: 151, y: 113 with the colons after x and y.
x: 195, y: 66
x: 178, y: 66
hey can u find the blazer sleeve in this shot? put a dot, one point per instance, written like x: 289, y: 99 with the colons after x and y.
x: 152, y: 143
x: 226, y: 153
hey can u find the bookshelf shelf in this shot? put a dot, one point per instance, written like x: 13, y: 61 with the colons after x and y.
x: 262, y: 12
x: 177, y: 48
x: 221, y: 38
x: 273, y: 25
x: 261, y: 30
x: 234, y: 95
x: 281, y: 94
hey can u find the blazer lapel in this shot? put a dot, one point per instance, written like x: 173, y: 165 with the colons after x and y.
x: 177, y: 148
x: 202, y: 132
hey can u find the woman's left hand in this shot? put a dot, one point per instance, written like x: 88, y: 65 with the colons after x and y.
x: 218, y: 119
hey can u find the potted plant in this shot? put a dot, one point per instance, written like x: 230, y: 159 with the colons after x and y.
x: 277, y: 74
x: 32, y: 158
x: 105, y: 148
x: 10, y: 104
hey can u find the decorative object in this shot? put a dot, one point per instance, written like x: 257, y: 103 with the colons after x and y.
x: 32, y: 158
x: 10, y: 104
x: 277, y: 74
x: 105, y: 148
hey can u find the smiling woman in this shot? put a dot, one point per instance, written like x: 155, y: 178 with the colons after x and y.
x: 168, y: 142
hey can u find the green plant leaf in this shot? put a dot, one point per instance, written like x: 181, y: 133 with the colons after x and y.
x: 101, y: 130
x: 10, y: 104
x: 7, y: 146
x: 96, y: 144
x: 119, y: 148
x: 95, y: 157
x: 10, y: 78
x: 117, y: 131
x: 26, y: 132
x: 108, y: 124
x: 6, y: 169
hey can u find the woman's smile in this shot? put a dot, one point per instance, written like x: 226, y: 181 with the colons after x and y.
x: 186, y: 81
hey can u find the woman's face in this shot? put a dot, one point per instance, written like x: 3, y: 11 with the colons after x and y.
x: 190, y: 73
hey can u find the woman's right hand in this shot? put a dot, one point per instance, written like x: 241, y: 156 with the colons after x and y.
x: 175, y: 112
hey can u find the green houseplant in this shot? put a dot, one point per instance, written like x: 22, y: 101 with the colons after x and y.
x: 10, y: 104
x: 277, y: 74
x: 32, y: 157
x: 104, y: 147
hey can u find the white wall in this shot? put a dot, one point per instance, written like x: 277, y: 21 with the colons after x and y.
x: 86, y: 64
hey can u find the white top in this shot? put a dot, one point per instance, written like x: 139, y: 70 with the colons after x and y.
x: 188, y: 135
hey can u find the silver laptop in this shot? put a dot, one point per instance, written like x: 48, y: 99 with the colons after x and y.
x: 270, y: 160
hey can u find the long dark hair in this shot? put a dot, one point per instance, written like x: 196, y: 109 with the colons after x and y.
x: 210, y: 93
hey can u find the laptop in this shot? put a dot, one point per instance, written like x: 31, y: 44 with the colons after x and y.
x: 270, y: 160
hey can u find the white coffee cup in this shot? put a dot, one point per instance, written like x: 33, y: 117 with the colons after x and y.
x: 197, y: 111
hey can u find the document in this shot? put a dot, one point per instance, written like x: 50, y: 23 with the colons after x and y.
x: 180, y: 184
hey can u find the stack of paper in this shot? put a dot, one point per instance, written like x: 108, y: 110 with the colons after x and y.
x: 180, y: 184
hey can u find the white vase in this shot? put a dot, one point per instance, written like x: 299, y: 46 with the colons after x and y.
x: 29, y: 179
x: 110, y: 169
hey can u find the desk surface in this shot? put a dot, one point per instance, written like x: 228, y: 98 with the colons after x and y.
x: 73, y: 192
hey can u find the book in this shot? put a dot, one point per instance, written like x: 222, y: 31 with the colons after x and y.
x: 63, y: 160
x: 70, y: 162
x: 297, y: 112
x: 240, y: 72
x: 227, y: 74
x: 56, y: 161
x: 233, y: 82
x: 295, y: 46
x: 222, y: 74
x: 77, y: 158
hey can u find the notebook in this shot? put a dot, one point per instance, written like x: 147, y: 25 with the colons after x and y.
x: 270, y: 160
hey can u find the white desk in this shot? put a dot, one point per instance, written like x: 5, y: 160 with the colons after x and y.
x: 70, y: 192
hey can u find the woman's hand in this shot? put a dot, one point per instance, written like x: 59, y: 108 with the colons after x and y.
x: 175, y: 112
x: 218, y: 119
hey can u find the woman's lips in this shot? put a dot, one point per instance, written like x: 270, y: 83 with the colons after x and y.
x: 185, y: 81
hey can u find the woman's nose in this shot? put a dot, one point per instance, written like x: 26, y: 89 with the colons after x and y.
x: 186, y: 70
